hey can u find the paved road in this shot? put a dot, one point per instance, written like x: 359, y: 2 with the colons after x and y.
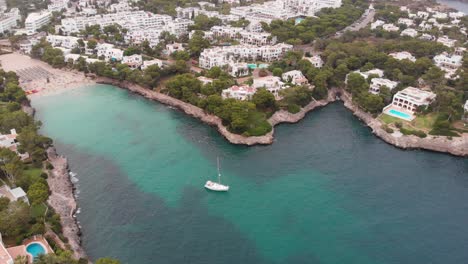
x: 362, y: 22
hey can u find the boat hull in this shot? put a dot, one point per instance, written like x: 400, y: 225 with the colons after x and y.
x: 214, y: 186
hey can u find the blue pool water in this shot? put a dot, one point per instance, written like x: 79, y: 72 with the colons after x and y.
x: 298, y: 20
x: 35, y: 249
x: 399, y: 114
x: 252, y: 66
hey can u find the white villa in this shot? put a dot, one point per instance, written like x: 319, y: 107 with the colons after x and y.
x: 134, y: 61
x: 377, y: 83
x: 238, y: 69
x: 171, y: 48
x: 410, y: 32
x: 243, y: 92
x: 316, y: 61
x: 9, y: 141
x: 409, y: 99
x: 295, y: 77
x: 403, y: 55
x: 447, y: 41
x: 148, y: 63
x: 449, y: 64
x: 273, y: 84
x: 16, y: 194
x: 204, y: 80
x: 390, y: 27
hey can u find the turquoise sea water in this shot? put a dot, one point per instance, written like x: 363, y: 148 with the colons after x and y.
x: 327, y: 191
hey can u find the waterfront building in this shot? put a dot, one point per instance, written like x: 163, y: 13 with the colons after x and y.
x: 242, y: 92
x: 403, y: 55
x: 273, y: 84
x: 148, y: 63
x: 295, y: 77
x: 411, y: 98
x: 109, y: 52
x: 134, y: 61
x: 9, y: 141
x: 34, y: 21
x: 456, y: 14
x: 377, y: 83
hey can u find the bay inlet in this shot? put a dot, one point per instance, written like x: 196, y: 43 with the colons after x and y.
x: 327, y: 191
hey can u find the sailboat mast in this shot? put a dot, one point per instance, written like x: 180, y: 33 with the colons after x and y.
x: 219, y: 172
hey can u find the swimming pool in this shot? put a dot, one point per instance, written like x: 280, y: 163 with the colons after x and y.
x: 252, y: 66
x: 399, y: 114
x: 35, y: 249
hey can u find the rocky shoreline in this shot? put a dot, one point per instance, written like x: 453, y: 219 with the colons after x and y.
x: 212, y: 120
x: 63, y: 201
x: 457, y: 146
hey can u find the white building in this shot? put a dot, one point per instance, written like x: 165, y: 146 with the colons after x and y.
x: 446, y: 41
x: 238, y: 69
x: 295, y: 77
x: 410, y: 32
x: 134, y: 61
x: 68, y: 42
x: 403, y: 55
x: 34, y: 21
x: 423, y: 15
x: 146, y: 64
x: 57, y: 5
x: 377, y: 83
x: 411, y: 98
x: 137, y: 37
x: 204, y: 80
x: 171, y: 48
x: 243, y: 92
x: 109, y: 52
x: 377, y: 23
x: 243, y: 36
x: 376, y: 72
x: 316, y: 61
x: 390, y: 27
x: 220, y: 56
x: 16, y: 194
x: 448, y: 64
x: 405, y: 21
x: 9, y: 20
x: 273, y: 84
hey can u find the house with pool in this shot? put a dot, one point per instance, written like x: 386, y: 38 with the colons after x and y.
x: 30, y: 248
x: 406, y: 102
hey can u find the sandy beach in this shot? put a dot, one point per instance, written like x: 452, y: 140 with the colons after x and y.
x: 38, y: 76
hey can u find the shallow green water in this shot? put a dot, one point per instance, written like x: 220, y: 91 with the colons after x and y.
x: 327, y: 191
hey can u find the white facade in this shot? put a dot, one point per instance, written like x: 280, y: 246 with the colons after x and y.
x: 34, y: 21
x: 448, y: 64
x: 273, y: 84
x: 295, y: 77
x: 377, y: 23
x: 9, y: 20
x: 238, y: 69
x: 405, y: 21
x: 243, y: 92
x: 220, y: 56
x: 411, y: 98
x: 377, y: 83
x: 316, y: 61
x: 109, y: 52
x: 446, y: 41
x: 410, y: 32
x: 390, y: 27
x: 243, y: 36
x: 62, y: 41
x: 133, y: 61
x: 57, y: 5
x: 146, y: 64
x: 171, y: 48
x: 403, y: 55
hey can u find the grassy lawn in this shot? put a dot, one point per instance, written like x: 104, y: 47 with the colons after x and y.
x: 424, y: 122
x: 388, y: 119
x: 32, y: 172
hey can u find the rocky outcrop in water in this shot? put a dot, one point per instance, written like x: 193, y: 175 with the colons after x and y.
x: 63, y: 201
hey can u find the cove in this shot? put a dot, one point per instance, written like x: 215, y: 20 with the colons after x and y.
x: 327, y: 191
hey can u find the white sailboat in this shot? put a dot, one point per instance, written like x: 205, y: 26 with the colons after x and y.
x: 217, y: 186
